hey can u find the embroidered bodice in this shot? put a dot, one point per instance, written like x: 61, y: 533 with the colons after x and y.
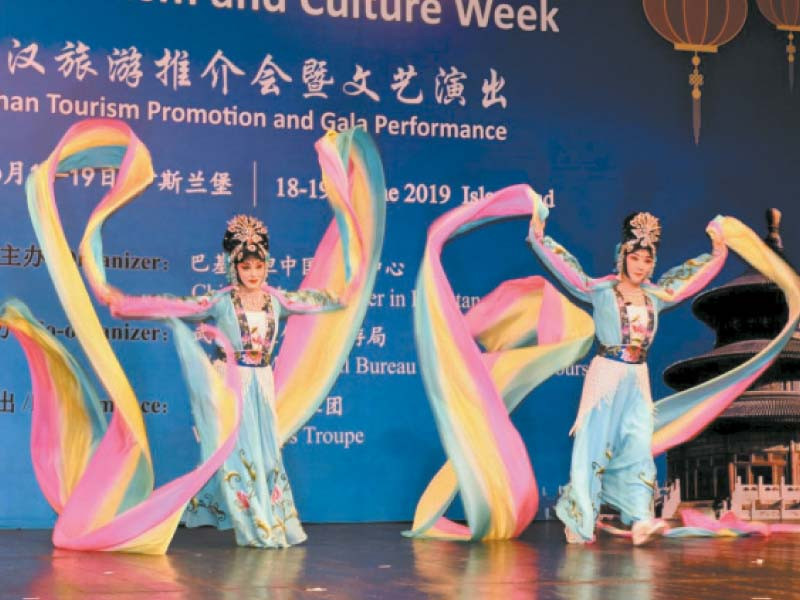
x: 618, y: 324
x: 253, y: 333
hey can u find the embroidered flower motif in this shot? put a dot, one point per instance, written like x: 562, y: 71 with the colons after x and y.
x: 206, y: 502
x: 252, y: 357
x: 626, y: 327
x: 632, y: 354
x: 559, y: 250
x: 256, y: 349
x: 255, y: 338
x: 242, y: 500
x: 277, y: 494
x: 677, y: 277
x: 305, y: 299
x: 639, y: 331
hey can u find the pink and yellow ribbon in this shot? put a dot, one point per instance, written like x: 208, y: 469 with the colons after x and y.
x: 682, y: 416
x: 528, y: 331
x: 315, y: 346
x: 698, y: 524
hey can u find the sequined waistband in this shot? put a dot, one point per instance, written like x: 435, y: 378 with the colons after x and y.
x: 248, y: 358
x: 624, y: 353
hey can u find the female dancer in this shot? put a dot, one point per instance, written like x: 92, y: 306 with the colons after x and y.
x: 99, y: 475
x: 612, y: 461
x: 251, y: 491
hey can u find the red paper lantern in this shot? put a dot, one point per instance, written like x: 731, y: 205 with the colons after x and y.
x: 696, y: 26
x: 785, y: 15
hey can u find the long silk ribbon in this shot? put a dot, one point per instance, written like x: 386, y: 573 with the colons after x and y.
x: 697, y: 524
x: 528, y: 331
x: 683, y: 415
x: 100, y: 480
x: 316, y: 345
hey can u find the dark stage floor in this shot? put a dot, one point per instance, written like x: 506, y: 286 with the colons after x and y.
x: 374, y: 561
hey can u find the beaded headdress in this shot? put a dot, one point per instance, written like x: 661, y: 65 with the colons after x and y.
x: 640, y: 230
x: 246, y: 237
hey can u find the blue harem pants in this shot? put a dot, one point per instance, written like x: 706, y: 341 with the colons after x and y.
x: 612, y: 461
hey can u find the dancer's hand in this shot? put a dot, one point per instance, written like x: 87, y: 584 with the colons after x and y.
x: 714, y: 231
x: 539, y: 216
x: 537, y: 229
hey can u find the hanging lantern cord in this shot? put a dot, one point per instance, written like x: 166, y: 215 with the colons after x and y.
x: 696, y: 81
x: 791, y: 49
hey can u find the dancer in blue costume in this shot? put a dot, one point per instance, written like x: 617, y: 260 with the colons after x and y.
x: 251, y: 492
x: 612, y: 462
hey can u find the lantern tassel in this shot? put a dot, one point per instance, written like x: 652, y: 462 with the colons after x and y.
x: 696, y: 80
x: 696, y: 119
x: 791, y: 49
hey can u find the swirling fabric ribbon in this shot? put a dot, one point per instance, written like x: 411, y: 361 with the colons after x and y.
x: 315, y: 346
x: 528, y: 331
x: 682, y: 416
x: 698, y: 524
x: 100, y: 479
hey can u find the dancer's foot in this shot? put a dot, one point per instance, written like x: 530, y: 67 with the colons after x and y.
x: 644, y: 531
x: 575, y: 538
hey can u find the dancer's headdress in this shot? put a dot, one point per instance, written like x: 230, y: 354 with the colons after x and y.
x: 246, y: 237
x: 639, y: 231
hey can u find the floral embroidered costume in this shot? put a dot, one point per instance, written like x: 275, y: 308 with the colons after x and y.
x: 612, y: 459
x: 251, y: 492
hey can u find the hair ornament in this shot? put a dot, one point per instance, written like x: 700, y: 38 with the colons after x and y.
x: 646, y: 230
x: 640, y: 230
x: 246, y: 236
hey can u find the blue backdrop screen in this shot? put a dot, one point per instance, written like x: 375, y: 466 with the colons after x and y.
x: 582, y: 100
